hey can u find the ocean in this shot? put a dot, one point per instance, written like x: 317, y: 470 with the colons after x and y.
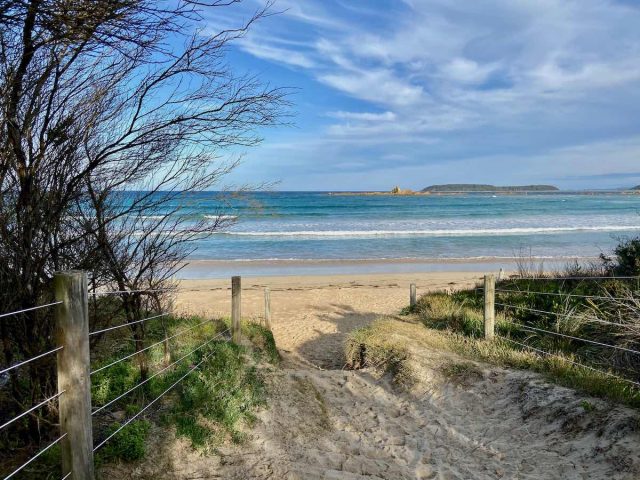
x: 316, y: 227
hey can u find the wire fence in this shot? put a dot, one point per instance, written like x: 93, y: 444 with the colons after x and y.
x: 509, y: 301
x: 74, y: 372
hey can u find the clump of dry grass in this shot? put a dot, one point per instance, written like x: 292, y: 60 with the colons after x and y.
x: 444, y: 312
x: 387, y: 337
x: 375, y: 346
x: 461, y: 373
x: 462, y: 323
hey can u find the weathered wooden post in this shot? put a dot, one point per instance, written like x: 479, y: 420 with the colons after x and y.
x: 267, y: 308
x: 489, y: 306
x: 72, y: 333
x: 412, y: 295
x: 236, y: 311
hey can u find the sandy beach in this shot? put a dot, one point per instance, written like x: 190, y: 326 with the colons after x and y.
x: 325, y: 422
x: 311, y: 315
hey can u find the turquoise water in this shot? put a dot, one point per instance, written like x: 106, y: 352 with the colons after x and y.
x: 319, y: 226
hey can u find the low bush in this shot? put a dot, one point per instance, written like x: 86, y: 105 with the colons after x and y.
x: 219, y: 397
x: 127, y: 445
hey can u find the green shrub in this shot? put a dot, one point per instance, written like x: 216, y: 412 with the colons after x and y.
x: 263, y: 341
x: 112, y: 381
x: 626, y: 261
x: 218, y: 397
x: 128, y: 444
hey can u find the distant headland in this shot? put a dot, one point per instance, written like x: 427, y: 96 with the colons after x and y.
x: 460, y: 188
x: 480, y: 188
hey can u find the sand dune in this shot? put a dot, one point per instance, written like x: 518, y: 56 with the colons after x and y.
x: 327, y: 423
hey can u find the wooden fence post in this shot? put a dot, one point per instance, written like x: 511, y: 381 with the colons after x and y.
x: 236, y: 311
x: 267, y: 308
x: 412, y: 295
x: 489, y: 306
x: 72, y: 333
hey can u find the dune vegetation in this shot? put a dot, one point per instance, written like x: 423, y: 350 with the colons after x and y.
x: 579, y: 327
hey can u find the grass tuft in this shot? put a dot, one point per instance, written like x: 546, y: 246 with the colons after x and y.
x: 219, y: 398
x: 127, y: 445
x: 373, y: 347
x: 461, y: 319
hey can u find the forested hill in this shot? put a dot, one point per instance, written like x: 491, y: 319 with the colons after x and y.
x: 476, y: 187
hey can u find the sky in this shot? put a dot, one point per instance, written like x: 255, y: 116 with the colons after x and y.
x: 421, y: 92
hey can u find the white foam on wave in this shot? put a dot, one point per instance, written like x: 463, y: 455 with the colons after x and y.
x: 221, y: 217
x: 437, y: 233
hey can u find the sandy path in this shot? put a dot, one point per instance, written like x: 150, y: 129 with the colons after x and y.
x: 335, y: 424
x: 312, y: 315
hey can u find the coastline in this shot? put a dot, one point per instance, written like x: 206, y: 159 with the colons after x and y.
x: 484, y: 193
x: 221, y: 269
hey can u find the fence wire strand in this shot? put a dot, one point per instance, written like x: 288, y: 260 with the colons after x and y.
x: 122, y: 395
x: 35, y: 407
x: 127, y: 324
x: 569, y: 361
x: 17, y: 312
x: 578, y: 338
x: 149, y: 404
x: 576, y: 278
x: 124, y: 292
x: 558, y: 314
x: 34, y: 457
x: 24, y: 362
x: 149, y: 347
x: 559, y: 294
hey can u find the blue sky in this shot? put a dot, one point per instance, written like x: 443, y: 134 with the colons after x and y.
x: 417, y: 92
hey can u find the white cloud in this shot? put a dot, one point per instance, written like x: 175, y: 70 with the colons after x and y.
x: 465, y: 81
x: 364, y: 116
x: 378, y: 86
x: 278, y: 54
x: 462, y: 70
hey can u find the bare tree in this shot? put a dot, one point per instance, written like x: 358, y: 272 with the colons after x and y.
x: 98, y: 99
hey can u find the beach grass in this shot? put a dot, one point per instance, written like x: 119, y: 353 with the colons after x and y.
x: 372, y: 345
x: 209, y: 407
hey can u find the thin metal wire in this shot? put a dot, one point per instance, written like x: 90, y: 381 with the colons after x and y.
x: 570, y: 361
x: 35, y: 407
x: 127, y: 324
x: 534, y: 310
x: 34, y: 457
x: 30, y: 309
x: 67, y: 475
x: 149, y: 347
x: 149, y: 404
x: 120, y: 292
x: 24, y: 362
x: 577, y: 278
x: 599, y: 297
x: 157, y: 373
x: 579, y: 338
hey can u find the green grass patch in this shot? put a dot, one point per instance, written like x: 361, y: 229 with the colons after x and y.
x: 212, y: 403
x: 461, y: 372
x: 262, y: 340
x: 461, y: 318
x: 219, y: 397
x: 127, y: 445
